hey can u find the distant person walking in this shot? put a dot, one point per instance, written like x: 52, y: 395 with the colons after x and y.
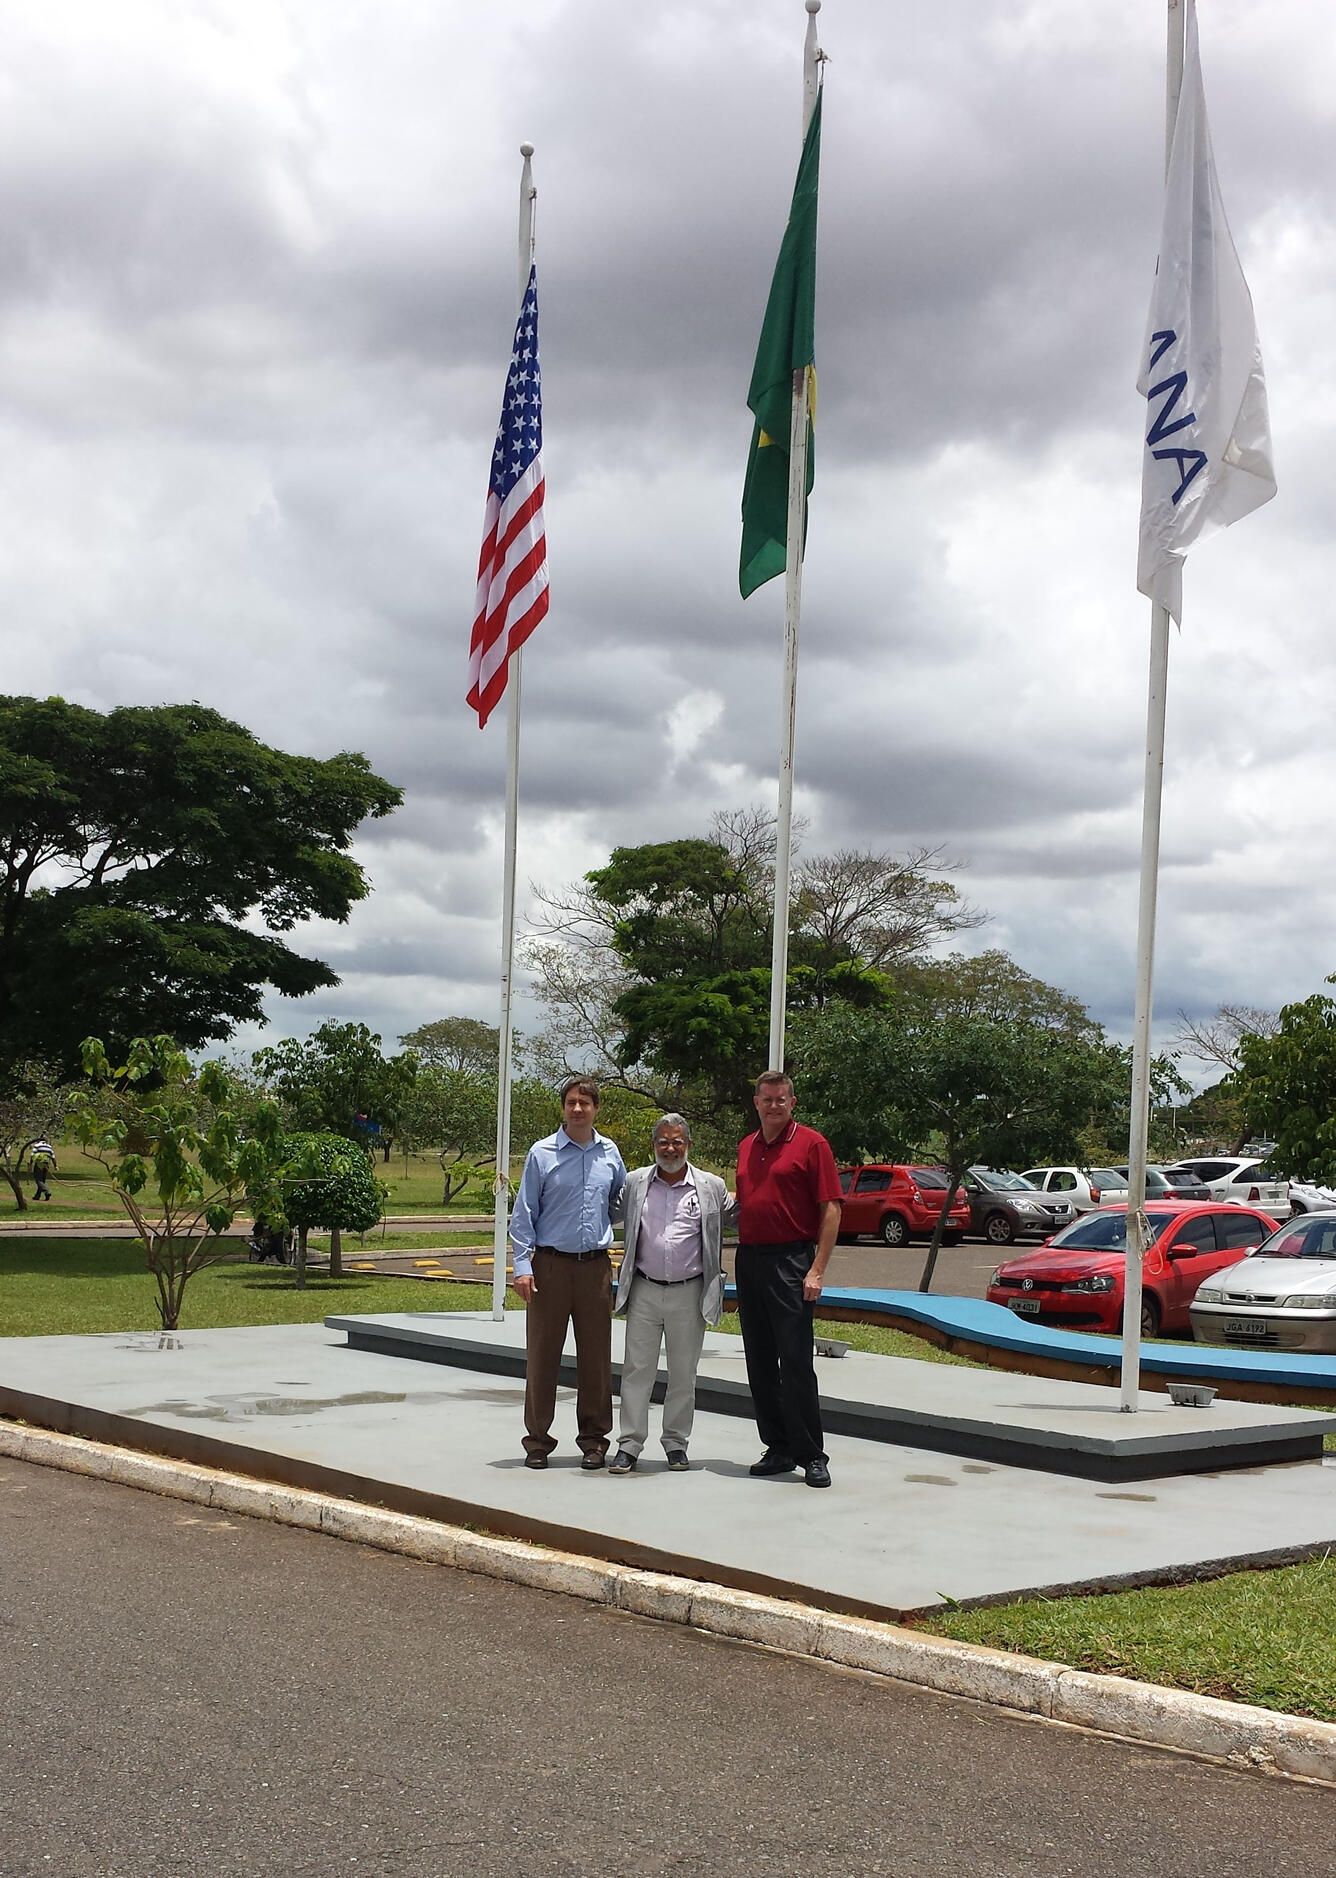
x: 789, y: 1200
x: 670, y: 1286
x: 43, y: 1164
x: 560, y: 1231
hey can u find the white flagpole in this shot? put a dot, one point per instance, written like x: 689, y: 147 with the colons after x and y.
x: 1138, y: 1227
x: 793, y: 581
x: 501, y: 1183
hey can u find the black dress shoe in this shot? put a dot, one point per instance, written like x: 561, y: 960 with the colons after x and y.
x: 535, y: 1460
x: 592, y: 1462
x: 816, y: 1473
x: 772, y: 1462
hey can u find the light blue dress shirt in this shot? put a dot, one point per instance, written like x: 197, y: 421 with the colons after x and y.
x: 565, y: 1194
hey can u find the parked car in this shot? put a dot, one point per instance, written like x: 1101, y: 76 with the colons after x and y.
x: 899, y: 1204
x: 1281, y: 1297
x: 1082, y: 1187
x: 1305, y: 1197
x: 1006, y: 1207
x: 1170, y: 1183
x: 1076, y: 1281
x: 1242, y: 1178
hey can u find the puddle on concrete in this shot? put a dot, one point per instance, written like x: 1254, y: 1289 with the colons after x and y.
x: 1148, y: 1499
x: 234, y: 1408
x: 974, y: 1467
x: 932, y: 1480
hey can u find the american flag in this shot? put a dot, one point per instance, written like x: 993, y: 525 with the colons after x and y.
x: 512, y: 569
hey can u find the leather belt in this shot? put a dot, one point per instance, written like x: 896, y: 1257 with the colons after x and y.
x: 670, y: 1281
x: 599, y: 1252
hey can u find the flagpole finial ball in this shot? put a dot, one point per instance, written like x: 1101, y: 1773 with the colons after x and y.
x: 526, y: 149
x: 813, y: 6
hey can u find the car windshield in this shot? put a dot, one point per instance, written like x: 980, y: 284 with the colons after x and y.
x: 1102, y: 1232
x: 1006, y: 1183
x: 1312, y: 1238
x: 929, y: 1177
x: 1107, y: 1177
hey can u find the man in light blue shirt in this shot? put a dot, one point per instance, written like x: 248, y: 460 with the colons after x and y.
x: 560, y: 1232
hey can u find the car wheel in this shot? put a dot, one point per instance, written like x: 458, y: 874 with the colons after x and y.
x: 894, y: 1230
x: 846, y: 1238
x: 952, y: 1238
x: 1150, y: 1315
x: 998, y: 1230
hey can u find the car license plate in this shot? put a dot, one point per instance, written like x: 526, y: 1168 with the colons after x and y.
x: 1028, y: 1307
x: 1245, y: 1327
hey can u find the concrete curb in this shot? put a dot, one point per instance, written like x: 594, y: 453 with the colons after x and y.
x: 1232, y: 1732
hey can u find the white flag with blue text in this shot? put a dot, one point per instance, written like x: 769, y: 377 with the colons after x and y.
x: 1208, y: 437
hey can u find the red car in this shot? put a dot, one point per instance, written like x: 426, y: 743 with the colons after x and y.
x: 900, y: 1204
x: 1076, y: 1280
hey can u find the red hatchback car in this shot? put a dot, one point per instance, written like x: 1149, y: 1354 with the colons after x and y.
x: 899, y: 1204
x: 1076, y: 1280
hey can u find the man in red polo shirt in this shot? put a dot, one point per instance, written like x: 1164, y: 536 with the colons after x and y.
x: 789, y: 1199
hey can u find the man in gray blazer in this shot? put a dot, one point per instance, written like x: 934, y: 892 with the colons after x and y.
x: 671, y: 1285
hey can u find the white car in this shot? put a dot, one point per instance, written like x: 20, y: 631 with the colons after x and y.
x: 1280, y: 1297
x: 1243, y: 1180
x: 1089, y: 1187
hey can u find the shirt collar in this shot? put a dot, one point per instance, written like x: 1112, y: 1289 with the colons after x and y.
x: 687, y: 1180
x: 563, y: 1140
x: 780, y: 1141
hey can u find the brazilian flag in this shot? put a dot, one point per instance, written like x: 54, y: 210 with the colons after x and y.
x: 787, y: 344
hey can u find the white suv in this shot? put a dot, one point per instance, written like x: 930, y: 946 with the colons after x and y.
x: 1242, y: 1180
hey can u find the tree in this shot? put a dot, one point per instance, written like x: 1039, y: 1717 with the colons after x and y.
x: 658, y: 964
x: 337, y: 1081
x: 457, y: 1043
x: 148, y: 859
x: 454, y: 1111
x: 968, y: 1088
x: 1216, y: 1039
x: 992, y: 985
x: 34, y: 1103
x: 327, y: 1183
x: 163, y: 1128
x: 1287, y: 1086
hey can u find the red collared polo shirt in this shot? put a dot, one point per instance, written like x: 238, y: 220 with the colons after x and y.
x: 782, y: 1187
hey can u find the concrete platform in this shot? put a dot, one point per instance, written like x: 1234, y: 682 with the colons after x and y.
x: 983, y: 1414
x: 899, y: 1531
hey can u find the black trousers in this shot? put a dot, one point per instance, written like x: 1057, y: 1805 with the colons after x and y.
x: 777, y: 1342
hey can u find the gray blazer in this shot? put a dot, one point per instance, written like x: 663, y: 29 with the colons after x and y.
x: 718, y: 1209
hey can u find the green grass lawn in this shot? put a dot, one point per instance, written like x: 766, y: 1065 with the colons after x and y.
x: 55, y: 1287
x: 1263, y: 1637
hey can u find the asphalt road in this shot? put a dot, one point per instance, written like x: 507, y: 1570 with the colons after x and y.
x: 185, y: 1694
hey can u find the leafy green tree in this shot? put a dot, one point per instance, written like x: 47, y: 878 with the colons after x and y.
x: 454, y: 1112
x: 329, y: 1080
x: 1287, y: 1087
x: 655, y: 969
x: 180, y: 1159
x: 327, y: 1183
x: 149, y: 857
x: 465, y: 1044
x: 34, y: 1102
x: 966, y: 1089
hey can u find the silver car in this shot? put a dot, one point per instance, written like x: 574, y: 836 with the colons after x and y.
x: 1280, y: 1297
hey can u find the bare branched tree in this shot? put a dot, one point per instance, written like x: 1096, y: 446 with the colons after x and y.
x: 1216, y: 1039
x: 883, y: 908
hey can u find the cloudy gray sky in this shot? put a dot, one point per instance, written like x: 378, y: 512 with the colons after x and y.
x: 257, y: 281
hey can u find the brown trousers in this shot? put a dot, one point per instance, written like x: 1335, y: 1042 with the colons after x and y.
x: 568, y: 1291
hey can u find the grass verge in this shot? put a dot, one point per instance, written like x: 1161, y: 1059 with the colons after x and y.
x: 73, y: 1287
x: 1260, y: 1637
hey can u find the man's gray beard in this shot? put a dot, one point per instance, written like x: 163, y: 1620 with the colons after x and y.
x: 672, y: 1166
